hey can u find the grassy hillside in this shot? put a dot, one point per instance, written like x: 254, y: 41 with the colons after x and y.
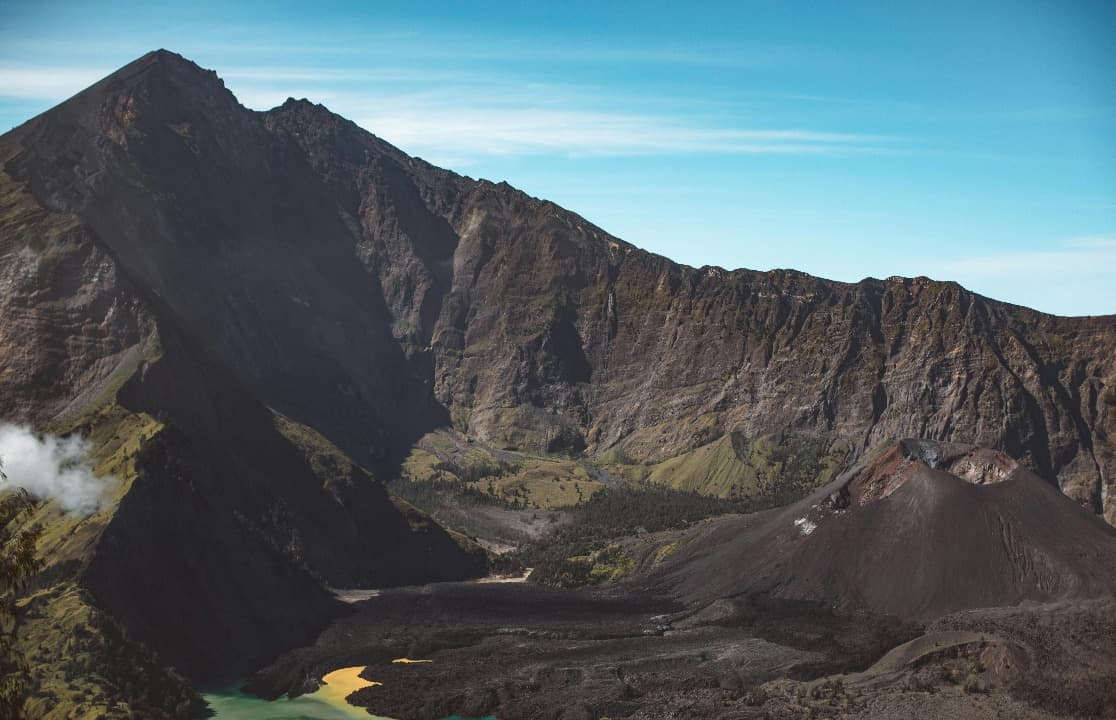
x: 513, y: 479
x: 734, y: 467
x: 85, y: 668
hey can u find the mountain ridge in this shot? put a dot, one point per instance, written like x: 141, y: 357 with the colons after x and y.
x: 425, y: 255
x: 163, y: 56
x: 919, y: 529
x: 190, y: 282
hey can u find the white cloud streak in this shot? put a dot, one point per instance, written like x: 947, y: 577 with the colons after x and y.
x: 1093, y: 242
x: 1074, y: 277
x: 50, y: 84
x: 51, y: 468
x: 1085, y: 256
x: 456, y: 117
x: 511, y: 131
x: 470, y: 120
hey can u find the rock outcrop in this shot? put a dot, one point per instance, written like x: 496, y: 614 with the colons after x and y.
x: 167, y: 253
x: 533, y: 325
x: 166, y: 259
x: 917, y: 530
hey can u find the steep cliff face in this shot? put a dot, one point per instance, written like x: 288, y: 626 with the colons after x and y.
x: 773, y: 353
x: 165, y: 258
x: 169, y: 253
x: 540, y: 326
x: 237, y: 239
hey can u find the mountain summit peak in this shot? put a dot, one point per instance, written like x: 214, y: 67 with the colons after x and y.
x: 161, y: 64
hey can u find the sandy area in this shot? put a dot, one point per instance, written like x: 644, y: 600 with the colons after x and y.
x: 339, y: 684
x: 355, y: 595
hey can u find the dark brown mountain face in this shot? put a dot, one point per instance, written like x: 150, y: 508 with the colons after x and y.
x: 368, y: 294
x: 918, y: 530
x: 171, y: 266
x: 255, y: 315
x: 535, y: 325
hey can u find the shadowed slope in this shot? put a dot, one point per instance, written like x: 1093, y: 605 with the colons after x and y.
x: 905, y: 534
x: 370, y: 295
x: 167, y: 258
x: 167, y: 252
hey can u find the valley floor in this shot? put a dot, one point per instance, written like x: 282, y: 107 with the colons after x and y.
x: 524, y: 651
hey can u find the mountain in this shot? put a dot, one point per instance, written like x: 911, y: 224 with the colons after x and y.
x: 917, y: 530
x: 179, y: 286
x: 255, y: 315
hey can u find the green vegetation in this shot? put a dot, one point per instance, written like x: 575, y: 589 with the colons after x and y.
x: 84, y: 667
x: 615, y: 455
x: 18, y: 561
x: 475, y: 470
x: 607, y: 565
x: 446, y: 475
x: 435, y: 495
x: 734, y: 467
x: 663, y: 553
x: 584, y: 551
x: 535, y: 431
x: 460, y: 417
x: 79, y: 663
x: 541, y: 483
x: 549, y: 484
x: 116, y: 436
x: 332, y: 466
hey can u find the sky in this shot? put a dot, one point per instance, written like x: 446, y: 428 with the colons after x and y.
x: 967, y: 141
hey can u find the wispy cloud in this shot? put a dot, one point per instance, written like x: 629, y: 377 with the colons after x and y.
x: 50, y: 84
x: 1075, y: 276
x: 507, y: 131
x: 326, y: 77
x: 457, y: 116
x: 51, y: 468
x: 463, y: 97
x: 476, y: 119
x: 1086, y: 255
x: 1093, y: 242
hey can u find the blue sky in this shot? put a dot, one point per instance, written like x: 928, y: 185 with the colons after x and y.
x: 969, y: 141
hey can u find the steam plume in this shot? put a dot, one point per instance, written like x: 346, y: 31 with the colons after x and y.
x: 51, y: 468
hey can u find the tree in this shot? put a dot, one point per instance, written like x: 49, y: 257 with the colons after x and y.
x: 17, y: 562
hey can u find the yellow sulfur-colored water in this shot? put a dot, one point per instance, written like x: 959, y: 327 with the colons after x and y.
x: 409, y: 661
x: 327, y: 703
x: 339, y: 684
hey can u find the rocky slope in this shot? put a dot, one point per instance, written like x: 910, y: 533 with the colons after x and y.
x: 917, y: 530
x: 398, y: 290
x: 539, y: 330
x: 168, y: 316
x: 258, y: 291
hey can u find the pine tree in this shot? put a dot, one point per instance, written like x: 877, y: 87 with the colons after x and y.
x: 17, y: 562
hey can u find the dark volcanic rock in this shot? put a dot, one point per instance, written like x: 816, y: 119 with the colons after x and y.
x: 167, y: 257
x: 918, y: 530
x: 172, y: 253
x: 366, y: 293
x: 534, y: 324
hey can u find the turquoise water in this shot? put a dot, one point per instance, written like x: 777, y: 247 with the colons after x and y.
x: 233, y: 705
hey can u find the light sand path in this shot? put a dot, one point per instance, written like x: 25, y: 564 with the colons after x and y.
x: 341, y: 683
x: 355, y: 595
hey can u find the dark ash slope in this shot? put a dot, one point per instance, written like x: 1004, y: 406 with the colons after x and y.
x: 171, y: 255
x: 166, y: 258
x: 919, y: 530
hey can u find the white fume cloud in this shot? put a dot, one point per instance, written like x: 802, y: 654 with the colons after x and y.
x: 51, y: 468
